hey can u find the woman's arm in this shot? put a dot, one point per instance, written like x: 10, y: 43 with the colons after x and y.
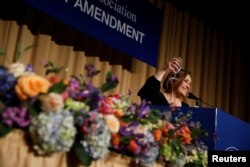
x: 150, y: 91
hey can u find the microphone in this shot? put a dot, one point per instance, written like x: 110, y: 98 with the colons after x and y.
x: 192, y: 96
x: 198, y: 100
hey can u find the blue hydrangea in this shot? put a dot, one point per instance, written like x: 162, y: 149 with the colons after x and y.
x: 149, y: 153
x: 7, y: 81
x: 97, y: 143
x: 53, y: 132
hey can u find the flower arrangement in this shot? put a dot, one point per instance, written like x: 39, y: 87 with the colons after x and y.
x: 74, y: 115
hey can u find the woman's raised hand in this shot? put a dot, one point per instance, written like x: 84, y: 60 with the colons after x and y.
x: 174, y: 64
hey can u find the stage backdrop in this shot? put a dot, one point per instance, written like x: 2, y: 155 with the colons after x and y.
x: 130, y: 26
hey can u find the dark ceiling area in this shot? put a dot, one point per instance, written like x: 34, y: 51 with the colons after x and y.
x: 232, y: 17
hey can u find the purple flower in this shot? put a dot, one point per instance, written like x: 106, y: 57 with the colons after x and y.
x: 125, y: 131
x: 74, y: 84
x: 192, y: 124
x: 110, y: 78
x: 143, y: 110
x: 91, y: 70
x: 129, y: 130
x: 29, y: 68
x: 132, y: 109
x: 15, y: 115
x: 74, y: 88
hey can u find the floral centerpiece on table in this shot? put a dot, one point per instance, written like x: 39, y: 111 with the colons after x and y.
x: 170, y: 137
x: 76, y: 116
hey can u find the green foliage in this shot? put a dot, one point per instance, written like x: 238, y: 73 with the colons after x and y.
x: 108, y: 85
x: 18, y: 51
x: 81, y: 154
x: 31, y: 108
x: 127, y: 118
x: 50, y: 68
x: 4, y: 130
x: 197, y: 132
x: 58, y: 87
x: 2, y: 52
x: 193, y: 164
x: 154, y: 116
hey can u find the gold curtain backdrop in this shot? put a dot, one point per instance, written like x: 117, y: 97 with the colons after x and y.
x: 215, y: 59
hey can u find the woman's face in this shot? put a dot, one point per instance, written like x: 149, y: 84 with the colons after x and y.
x: 185, y: 86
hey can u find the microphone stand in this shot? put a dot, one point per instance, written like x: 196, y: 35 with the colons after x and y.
x: 198, y: 100
x: 197, y: 103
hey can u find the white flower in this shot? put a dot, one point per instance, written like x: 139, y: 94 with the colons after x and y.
x: 17, y: 69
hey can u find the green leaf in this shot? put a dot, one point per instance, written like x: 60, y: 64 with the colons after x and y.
x: 127, y: 118
x: 49, y: 64
x: 154, y: 116
x: 110, y: 82
x: 81, y: 154
x: 31, y: 109
x: 2, y: 52
x: 4, y: 130
x: 193, y: 164
x: 1, y: 105
x: 108, y: 86
x: 18, y: 53
x: 58, y: 87
x: 29, y: 47
x: 177, y: 146
x: 197, y: 132
x: 126, y: 139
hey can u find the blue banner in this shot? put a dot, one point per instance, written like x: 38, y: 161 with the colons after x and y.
x: 132, y: 26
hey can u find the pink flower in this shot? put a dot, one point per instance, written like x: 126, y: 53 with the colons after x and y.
x: 52, y: 102
x: 106, y: 106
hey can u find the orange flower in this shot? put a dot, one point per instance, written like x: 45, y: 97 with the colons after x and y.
x: 157, y: 133
x: 119, y: 113
x: 54, y: 79
x: 116, y: 139
x: 123, y: 124
x: 30, y: 86
x: 65, y: 81
x: 133, y: 146
x: 184, y: 132
x: 164, y: 131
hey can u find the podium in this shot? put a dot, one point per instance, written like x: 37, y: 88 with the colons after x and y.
x: 226, y: 133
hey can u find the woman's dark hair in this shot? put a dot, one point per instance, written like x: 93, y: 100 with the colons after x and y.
x: 172, y: 84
